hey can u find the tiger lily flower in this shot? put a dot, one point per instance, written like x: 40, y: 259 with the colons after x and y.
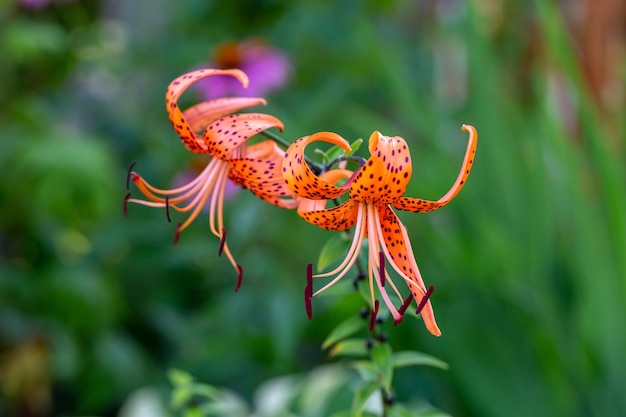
x: 374, y: 190
x: 210, y: 128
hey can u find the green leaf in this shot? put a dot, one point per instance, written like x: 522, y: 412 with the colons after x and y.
x: 332, y: 250
x: 361, y: 396
x: 334, y: 152
x: 342, y: 414
x: 381, y: 359
x: 180, y: 396
x: 355, y: 146
x: 411, y: 358
x: 204, y: 390
x: 322, y: 155
x: 345, y: 329
x: 366, y: 370
x: 396, y: 411
x: 349, y: 347
x: 193, y: 412
x: 178, y: 377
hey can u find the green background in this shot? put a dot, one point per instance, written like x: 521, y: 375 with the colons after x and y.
x: 528, y: 262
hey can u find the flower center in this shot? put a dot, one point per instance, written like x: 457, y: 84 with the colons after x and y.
x: 227, y: 55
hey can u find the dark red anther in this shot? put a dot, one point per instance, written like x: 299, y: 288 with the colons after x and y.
x: 167, y: 208
x: 424, y: 299
x: 403, y: 308
x: 130, y: 169
x: 222, y: 242
x: 381, y: 255
x: 126, y: 204
x: 177, y: 235
x: 373, y: 316
x: 308, y: 291
x: 239, y: 277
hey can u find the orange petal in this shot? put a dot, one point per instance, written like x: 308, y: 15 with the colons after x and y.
x: 260, y: 171
x: 199, y: 116
x: 397, y: 245
x: 176, y: 88
x: 299, y: 177
x: 386, y: 173
x: 341, y: 217
x: 227, y: 133
x: 267, y: 149
x: 262, y: 177
x: 417, y: 205
x: 332, y: 177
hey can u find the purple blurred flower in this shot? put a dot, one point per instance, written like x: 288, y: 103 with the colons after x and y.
x: 267, y: 68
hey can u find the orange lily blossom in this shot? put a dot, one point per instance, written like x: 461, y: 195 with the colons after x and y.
x: 374, y: 189
x: 210, y: 128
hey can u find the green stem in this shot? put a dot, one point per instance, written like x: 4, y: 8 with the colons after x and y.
x: 275, y: 138
x: 359, y: 160
x: 282, y: 142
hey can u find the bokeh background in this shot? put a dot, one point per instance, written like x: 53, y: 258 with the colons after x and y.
x: 528, y: 262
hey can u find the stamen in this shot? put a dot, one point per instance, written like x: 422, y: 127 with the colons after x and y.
x: 167, y: 208
x: 222, y: 242
x: 239, y: 277
x: 126, y: 204
x: 130, y: 169
x: 381, y: 255
x: 308, y: 291
x: 424, y: 299
x: 177, y: 235
x: 373, y: 316
x: 403, y: 308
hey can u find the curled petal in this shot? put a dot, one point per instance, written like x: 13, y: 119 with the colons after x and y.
x: 201, y: 115
x: 386, y: 173
x: 417, y: 205
x: 176, y: 88
x: 227, y: 133
x: 341, y: 217
x: 300, y: 178
x: 397, y: 247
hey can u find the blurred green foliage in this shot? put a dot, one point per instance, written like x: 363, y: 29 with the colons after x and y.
x: 528, y: 262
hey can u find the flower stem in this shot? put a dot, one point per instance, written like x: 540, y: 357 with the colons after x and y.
x: 359, y: 160
x: 282, y: 142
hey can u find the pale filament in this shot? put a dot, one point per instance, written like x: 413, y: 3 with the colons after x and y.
x: 217, y: 199
x: 410, y: 282
x: 188, y: 190
x: 217, y: 202
x: 353, y: 252
x: 203, y: 194
x: 374, y: 264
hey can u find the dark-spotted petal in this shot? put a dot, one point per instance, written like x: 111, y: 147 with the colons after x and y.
x: 300, y: 178
x: 227, y: 133
x: 396, y: 244
x: 176, y: 88
x: 201, y: 115
x: 418, y: 205
x: 341, y: 217
x: 260, y: 172
x: 386, y: 173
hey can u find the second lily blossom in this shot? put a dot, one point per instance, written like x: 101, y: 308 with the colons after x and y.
x: 374, y: 189
x: 210, y: 127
